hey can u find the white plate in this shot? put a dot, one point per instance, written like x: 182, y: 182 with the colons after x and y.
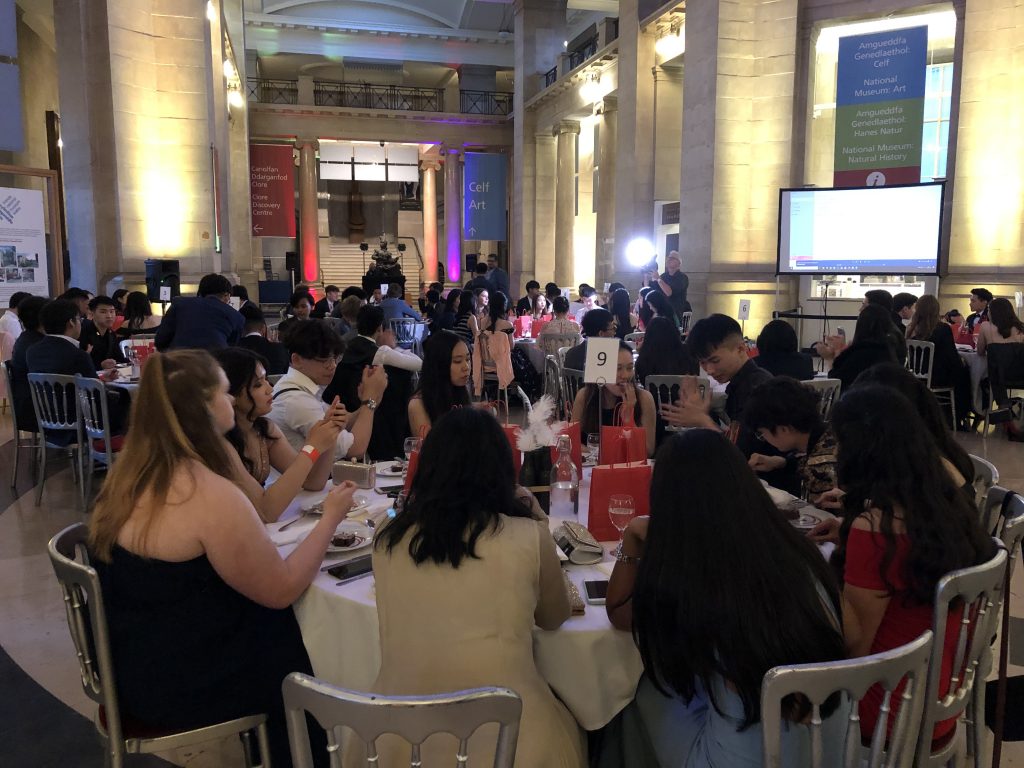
x: 805, y: 522
x: 362, y: 531
x: 358, y: 503
x: 384, y: 469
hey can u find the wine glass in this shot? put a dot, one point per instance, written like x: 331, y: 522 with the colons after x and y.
x: 594, y: 446
x: 411, y: 444
x: 620, y: 511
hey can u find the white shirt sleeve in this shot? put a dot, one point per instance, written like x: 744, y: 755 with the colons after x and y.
x: 399, y: 358
x: 297, y: 412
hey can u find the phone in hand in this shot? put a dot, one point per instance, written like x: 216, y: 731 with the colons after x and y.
x: 596, y: 591
x: 352, y: 569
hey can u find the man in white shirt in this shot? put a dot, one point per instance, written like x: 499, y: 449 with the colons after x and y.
x: 298, y: 403
x: 9, y: 322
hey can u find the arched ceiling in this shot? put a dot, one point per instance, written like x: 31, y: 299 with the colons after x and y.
x: 452, y: 14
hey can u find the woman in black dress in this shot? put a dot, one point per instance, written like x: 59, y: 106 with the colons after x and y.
x: 948, y: 369
x: 198, y: 599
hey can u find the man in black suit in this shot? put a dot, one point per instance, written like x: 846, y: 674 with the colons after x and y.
x: 28, y: 313
x: 58, y: 352
x: 254, y: 338
x: 324, y: 307
x: 98, y: 339
x: 206, y: 321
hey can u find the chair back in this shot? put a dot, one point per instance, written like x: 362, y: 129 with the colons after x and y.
x: 684, y: 323
x: 87, y: 620
x: 404, y: 329
x: 977, y: 592
x: 412, y: 718
x: 1004, y: 519
x: 985, y: 476
x: 666, y: 389
x: 552, y: 380
x: 920, y: 355
x: 572, y: 383
x: 817, y: 682
x: 551, y: 343
x: 94, y: 409
x: 9, y: 387
x: 635, y: 339
x: 53, y: 398
x: 828, y: 394
x: 560, y: 353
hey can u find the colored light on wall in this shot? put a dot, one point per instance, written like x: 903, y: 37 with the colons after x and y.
x: 163, y: 212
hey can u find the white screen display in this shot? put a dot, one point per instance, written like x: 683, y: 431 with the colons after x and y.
x: 874, y: 230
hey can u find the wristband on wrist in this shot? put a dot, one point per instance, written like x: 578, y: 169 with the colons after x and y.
x: 310, y: 451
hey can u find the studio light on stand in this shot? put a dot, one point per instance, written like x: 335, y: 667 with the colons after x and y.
x: 640, y: 253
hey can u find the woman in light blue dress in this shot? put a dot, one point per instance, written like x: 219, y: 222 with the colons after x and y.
x: 718, y: 588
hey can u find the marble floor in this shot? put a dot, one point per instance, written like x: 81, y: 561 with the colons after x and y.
x: 33, y: 629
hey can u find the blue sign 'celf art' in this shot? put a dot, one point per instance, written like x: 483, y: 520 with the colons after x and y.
x: 484, y: 197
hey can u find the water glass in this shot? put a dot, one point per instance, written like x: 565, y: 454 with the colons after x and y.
x: 620, y: 511
x: 594, y: 446
x: 411, y: 444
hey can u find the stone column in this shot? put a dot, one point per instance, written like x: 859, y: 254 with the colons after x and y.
x: 543, y: 208
x: 539, y: 32
x: 634, y: 191
x: 309, y: 232
x: 605, y: 225
x: 429, y: 196
x: 565, y: 201
x: 453, y: 216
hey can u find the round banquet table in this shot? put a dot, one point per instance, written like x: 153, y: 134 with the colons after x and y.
x: 978, y: 366
x: 592, y: 667
x: 534, y: 351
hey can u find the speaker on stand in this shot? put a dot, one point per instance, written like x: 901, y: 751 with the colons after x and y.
x: 163, y: 279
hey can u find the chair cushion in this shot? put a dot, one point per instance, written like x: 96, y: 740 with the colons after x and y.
x: 134, y: 729
x: 116, y: 444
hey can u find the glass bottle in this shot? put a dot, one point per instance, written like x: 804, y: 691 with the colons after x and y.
x: 565, y: 482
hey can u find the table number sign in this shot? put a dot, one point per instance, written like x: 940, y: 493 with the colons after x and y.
x: 602, y: 361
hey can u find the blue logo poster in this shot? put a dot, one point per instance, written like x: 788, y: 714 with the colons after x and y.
x: 484, y: 196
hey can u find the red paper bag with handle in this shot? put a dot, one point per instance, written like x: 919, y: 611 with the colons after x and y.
x: 624, y: 442
x: 576, y: 449
x: 634, y: 479
x: 512, y: 434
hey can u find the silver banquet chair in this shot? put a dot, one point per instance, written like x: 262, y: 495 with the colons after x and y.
x: 412, y: 718
x: 99, y: 443
x: 816, y: 682
x: 920, y: 362
x: 87, y: 621
x: 572, y: 383
x: 665, y: 389
x: 54, y: 401
x: 985, y: 476
x: 20, y: 430
x: 828, y: 394
x: 978, y: 592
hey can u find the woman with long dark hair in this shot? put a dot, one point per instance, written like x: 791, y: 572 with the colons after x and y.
x: 707, y: 630
x: 597, y: 407
x: 466, y: 324
x: 1004, y: 327
x: 496, y: 318
x: 778, y: 352
x: 138, y: 315
x: 619, y: 306
x: 644, y: 312
x: 874, y: 342
x: 259, y: 444
x: 663, y: 353
x: 445, y: 319
x: 906, y: 524
x: 662, y: 307
x: 464, y: 529
x: 948, y: 369
x: 444, y: 381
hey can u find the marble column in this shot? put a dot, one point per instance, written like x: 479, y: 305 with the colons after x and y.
x: 453, y: 216
x: 606, y: 166
x: 429, y: 196
x: 566, y: 132
x: 543, y: 208
x: 309, y: 233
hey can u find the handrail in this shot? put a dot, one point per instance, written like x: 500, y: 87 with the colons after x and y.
x: 405, y: 98
x: 485, y: 102
x: 551, y: 76
x: 416, y: 245
x: 267, y: 91
x: 583, y: 52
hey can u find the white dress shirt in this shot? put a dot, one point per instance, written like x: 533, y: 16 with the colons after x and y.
x: 399, y: 358
x: 298, y: 406
x: 9, y: 323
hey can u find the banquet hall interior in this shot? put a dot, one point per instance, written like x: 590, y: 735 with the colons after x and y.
x: 531, y: 189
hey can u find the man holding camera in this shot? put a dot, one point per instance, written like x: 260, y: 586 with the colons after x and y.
x: 673, y: 283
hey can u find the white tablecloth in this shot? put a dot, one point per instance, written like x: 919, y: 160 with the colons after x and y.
x: 978, y: 366
x: 592, y: 667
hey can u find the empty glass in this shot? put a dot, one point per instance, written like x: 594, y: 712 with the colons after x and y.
x: 594, y: 446
x: 411, y: 444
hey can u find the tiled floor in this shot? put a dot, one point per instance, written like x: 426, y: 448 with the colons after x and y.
x: 33, y: 630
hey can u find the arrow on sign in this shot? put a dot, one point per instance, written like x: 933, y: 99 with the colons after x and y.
x: 472, y: 231
x: 256, y: 228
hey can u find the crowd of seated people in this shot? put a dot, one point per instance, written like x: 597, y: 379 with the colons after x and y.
x: 211, y: 433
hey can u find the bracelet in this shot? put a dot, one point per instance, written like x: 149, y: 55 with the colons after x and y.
x: 312, y: 452
x: 622, y: 557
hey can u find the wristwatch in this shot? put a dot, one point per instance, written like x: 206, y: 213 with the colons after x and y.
x: 622, y: 557
x: 371, y: 404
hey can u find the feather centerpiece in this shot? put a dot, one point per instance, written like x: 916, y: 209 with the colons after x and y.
x: 541, y: 430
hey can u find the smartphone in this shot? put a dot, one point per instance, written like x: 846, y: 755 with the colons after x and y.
x: 352, y: 569
x: 389, y: 490
x: 841, y: 331
x: 596, y: 591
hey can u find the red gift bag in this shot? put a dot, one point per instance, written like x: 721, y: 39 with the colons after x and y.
x: 634, y: 479
x: 522, y: 326
x: 624, y: 442
x: 576, y: 448
x: 414, y: 462
x: 512, y: 434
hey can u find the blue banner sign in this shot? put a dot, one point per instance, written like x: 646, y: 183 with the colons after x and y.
x: 484, y: 196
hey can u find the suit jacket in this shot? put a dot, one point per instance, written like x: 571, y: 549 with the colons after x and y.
x: 20, y: 396
x: 320, y: 309
x: 54, y: 355
x: 195, y: 322
x: 275, y: 353
x: 104, y: 347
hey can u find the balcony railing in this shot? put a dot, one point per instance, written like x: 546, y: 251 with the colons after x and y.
x: 273, y: 91
x: 551, y: 76
x: 366, y: 96
x: 583, y: 52
x: 485, y: 103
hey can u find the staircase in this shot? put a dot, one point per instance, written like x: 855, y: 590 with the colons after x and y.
x: 344, y: 265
